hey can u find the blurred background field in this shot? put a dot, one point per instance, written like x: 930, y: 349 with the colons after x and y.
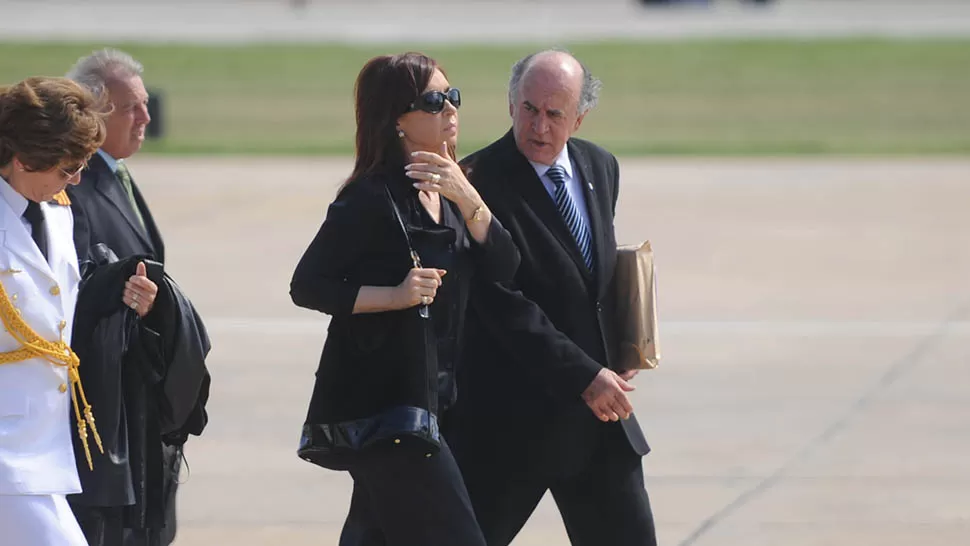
x: 705, y: 97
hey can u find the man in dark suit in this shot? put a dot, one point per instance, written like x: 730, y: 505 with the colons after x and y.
x: 109, y: 209
x: 112, y: 206
x: 540, y: 406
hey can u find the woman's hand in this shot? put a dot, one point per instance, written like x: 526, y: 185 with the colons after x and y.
x: 419, y: 288
x: 140, y: 292
x: 440, y: 174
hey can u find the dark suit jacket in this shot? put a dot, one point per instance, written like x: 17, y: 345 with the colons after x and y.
x: 369, y: 362
x: 535, y: 344
x: 103, y: 214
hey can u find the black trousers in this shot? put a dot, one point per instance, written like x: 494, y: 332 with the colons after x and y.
x: 105, y: 526
x: 402, y: 498
x: 102, y: 526
x: 605, y: 504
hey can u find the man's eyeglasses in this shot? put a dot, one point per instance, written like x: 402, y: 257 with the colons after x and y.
x: 433, y: 102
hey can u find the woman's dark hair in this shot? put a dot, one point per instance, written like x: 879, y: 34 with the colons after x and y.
x: 385, y: 88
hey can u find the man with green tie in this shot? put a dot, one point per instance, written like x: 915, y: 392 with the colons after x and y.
x: 114, y: 210
x: 129, y: 499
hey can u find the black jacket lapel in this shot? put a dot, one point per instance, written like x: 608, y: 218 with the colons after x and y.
x: 524, y: 178
x: 154, y: 236
x: 109, y: 186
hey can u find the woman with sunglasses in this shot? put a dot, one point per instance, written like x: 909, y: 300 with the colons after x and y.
x: 49, y: 127
x: 382, y: 386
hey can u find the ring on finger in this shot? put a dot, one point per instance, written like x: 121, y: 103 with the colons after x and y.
x: 435, y: 177
x: 134, y: 305
x: 426, y: 300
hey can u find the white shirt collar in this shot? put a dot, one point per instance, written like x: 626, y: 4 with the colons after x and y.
x: 562, y: 160
x: 17, y: 202
x: 111, y: 162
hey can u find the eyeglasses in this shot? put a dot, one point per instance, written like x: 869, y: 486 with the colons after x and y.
x: 73, y: 170
x: 433, y: 102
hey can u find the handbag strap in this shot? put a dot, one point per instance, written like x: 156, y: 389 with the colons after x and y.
x: 407, y: 236
x: 423, y: 311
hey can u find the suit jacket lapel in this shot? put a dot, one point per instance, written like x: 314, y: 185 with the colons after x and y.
x: 108, y: 185
x: 596, y: 215
x: 154, y: 237
x: 536, y: 197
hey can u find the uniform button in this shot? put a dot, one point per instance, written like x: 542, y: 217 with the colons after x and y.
x: 427, y: 455
x: 62, y: 387
x: 14, y: 297
x: 397, y: 440
x: 20, y: 312
x: 62, y: 325
x: 55, y: 290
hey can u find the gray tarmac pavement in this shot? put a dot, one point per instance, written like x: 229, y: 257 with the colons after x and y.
x: 815, y: 387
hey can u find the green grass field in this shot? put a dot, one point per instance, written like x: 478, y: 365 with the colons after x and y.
x: 712, y: 97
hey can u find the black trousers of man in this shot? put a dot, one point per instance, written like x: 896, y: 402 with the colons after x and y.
x: 105, y: 526
x: 603, y: 504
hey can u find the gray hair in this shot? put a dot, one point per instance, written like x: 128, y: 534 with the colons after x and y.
x: 101, y: 67
x: 589, y: 95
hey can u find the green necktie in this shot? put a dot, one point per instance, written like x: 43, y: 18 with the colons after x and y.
x: 125, y: 178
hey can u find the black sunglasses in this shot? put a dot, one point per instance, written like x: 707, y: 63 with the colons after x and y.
x: 433, y: 102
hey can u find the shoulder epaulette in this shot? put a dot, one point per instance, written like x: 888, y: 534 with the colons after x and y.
x: 62, y: 199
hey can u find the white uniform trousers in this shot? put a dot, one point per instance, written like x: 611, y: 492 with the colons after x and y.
x: 38, y: 520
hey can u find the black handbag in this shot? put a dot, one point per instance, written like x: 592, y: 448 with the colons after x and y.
x: 337, y: 445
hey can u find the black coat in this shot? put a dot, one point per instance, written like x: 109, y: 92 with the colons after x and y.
x: 536, y: 343
x: 368, y: 365
x: 148, y: 382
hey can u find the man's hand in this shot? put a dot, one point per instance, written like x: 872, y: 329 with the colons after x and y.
x: 629, y: 374
x: 606, y: 396
x: 140, y: 292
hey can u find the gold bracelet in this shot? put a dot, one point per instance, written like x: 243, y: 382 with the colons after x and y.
x: 477, y: 215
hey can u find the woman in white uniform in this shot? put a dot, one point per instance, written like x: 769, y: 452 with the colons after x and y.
x: 49, y: 128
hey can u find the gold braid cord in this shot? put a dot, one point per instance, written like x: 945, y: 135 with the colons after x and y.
x: 57, y: 353
x: 61, y: 199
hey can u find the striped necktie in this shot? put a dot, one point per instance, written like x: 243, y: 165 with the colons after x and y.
x: 125, y: 178
x: 570, y: 213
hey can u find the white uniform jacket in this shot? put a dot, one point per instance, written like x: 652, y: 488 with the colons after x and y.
x: 36, y: 451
